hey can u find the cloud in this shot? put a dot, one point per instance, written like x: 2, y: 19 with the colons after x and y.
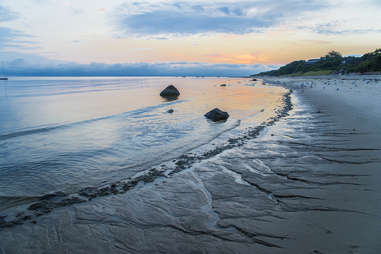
x: 375, y: 3
x: 6, y: 14
x: 24, y: 60
x: 6, y: 35
x: 338, y: 28
x: 239, y: 17
x: 10, y: 37
x: 17, y: 64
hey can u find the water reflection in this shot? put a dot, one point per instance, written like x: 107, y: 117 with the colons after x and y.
x: 63, y: 134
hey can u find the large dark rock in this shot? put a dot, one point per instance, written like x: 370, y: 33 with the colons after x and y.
x: 217, y: 115
x: 170, y: 92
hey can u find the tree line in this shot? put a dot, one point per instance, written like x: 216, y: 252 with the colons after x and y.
x: 332, y: 63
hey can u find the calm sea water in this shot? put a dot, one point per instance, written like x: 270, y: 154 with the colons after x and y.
x: 62, y: 134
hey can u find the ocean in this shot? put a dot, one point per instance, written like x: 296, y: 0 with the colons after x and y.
x: 63, y: 134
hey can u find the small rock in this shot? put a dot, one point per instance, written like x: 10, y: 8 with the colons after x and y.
x: 223, y: 85
x: 89, y: 192
x: 20, y: 214
x: 217, y: 115
x: 170, y: 111
x: 170, y: 92
x: 254, y: 79
x: 70, y: 201
x: 53, y: 195
x: 36, y: 206
x: 27, y: 217
x: 104, y: 191
x: 41, y: 207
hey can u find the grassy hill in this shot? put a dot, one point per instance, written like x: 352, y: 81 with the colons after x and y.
x: 332, y: 63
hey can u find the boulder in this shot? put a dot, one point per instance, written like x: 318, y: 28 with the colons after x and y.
x: 217, y: 115
x: 170, y: 92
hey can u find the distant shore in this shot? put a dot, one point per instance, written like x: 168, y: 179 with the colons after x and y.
x: 353, y: 76
x: 331, y: 63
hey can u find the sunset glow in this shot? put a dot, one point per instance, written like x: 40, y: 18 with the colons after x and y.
x: 260, y: 33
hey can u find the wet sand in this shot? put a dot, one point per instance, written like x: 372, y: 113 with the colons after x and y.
x: 347, y: 138
x: 307, y: 182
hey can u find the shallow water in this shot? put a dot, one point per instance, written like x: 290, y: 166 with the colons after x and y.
x: 307, y: 182
x: 63, y: 134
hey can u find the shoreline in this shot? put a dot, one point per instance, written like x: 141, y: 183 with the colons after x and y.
x: 354, y: 112
x: 332, y: 76
x: 47, y: 203
x: 307, y: 183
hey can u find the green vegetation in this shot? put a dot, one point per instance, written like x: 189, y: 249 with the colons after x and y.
x: 332, y: 63
x: 312, y: 73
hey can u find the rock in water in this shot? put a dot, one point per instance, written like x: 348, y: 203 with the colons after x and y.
x: 170, y: 92
x: 217, y: 115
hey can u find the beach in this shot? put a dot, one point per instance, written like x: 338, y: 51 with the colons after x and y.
x: 347, y: 138
x: 296, y: 169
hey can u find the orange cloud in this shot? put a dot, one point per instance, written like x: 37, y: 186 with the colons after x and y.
x: 249, y: 58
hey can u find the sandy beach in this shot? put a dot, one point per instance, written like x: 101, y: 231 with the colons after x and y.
x: 347, y: 138
x: 190, y: 127
x: 305, y: 182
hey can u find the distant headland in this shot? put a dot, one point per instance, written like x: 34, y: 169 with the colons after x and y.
x: 332, y: 63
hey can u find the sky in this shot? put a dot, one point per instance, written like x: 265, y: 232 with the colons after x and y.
x: 213, y: 38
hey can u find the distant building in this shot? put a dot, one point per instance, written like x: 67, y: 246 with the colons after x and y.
x: 312, y: 61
